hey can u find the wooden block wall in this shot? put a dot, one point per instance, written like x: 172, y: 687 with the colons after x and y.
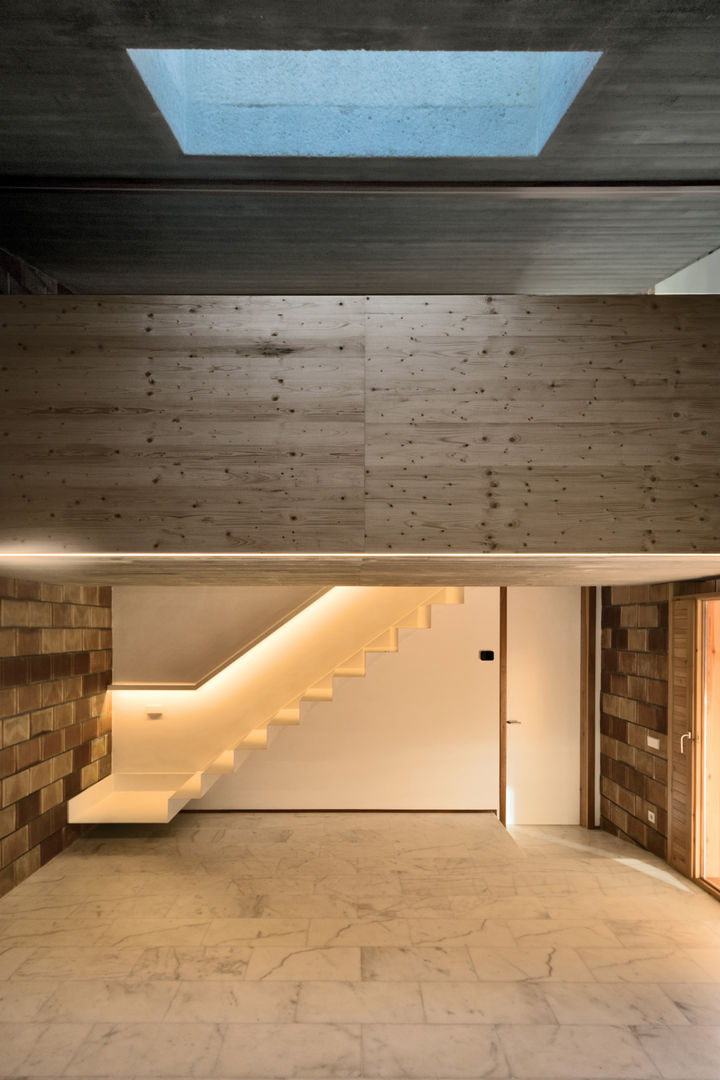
x: 633, y: 704
x: 360, y: 424
x: 55, y: 665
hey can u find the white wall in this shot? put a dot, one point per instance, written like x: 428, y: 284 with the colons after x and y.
x: 420, y: 731
x: 702, y: 276
x: 179, y: 633
x: 543, y: 749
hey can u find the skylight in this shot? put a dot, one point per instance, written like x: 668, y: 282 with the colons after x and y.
x: 356, y: 103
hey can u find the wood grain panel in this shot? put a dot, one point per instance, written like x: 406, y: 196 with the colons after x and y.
x: 360, y: 424
x: 539, y: 422
x: 163, y: 424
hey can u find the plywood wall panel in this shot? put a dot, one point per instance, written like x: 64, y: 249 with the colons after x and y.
x: 350, y: 424
x: 163, y: 424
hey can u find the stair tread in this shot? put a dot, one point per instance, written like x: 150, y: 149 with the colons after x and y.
x: 130, y: 806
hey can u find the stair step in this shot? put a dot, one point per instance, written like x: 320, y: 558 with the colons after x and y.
x: 257, y: 739
x: 321, y: 691
x: 198, y: 785
x: 352, y: 668
x: 228, y: 761
x: 287, y: 717
x: 386, y: 642
x: 131, y: 806
x: 452, y: 594
x: 416, y: 620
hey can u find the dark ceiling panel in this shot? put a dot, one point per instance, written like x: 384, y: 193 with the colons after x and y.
x: 74, y: 106
x: 73, y: 103
x: 180, y: 242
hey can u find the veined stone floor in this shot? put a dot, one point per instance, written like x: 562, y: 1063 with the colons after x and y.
x: 375, y: 945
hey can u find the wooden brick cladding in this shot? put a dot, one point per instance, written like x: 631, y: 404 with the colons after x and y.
x: 633, y: 705
x: 634, y: 702
x: 55, y: 666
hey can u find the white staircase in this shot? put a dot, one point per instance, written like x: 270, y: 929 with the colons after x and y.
x: 220, y: 712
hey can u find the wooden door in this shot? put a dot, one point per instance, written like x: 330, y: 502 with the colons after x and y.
x: 682, y: 735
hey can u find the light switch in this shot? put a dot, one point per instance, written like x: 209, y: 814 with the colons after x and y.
x: 653, y: 742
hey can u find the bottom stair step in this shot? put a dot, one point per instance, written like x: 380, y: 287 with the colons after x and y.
x: 130, y: 806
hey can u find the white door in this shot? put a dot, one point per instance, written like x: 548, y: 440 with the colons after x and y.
x: 543, y: 706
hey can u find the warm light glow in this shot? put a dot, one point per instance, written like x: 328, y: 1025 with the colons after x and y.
x: 198, y: 724
x: 424, y: 555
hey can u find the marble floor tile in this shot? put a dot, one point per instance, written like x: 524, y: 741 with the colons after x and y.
x: 663, y: 964
x: 612, y: 1003
x: 360, y: 1002
x: 690, y: 1053
x: 485, y: 1003
x: 125, y: 1050
x: 12, y: 957
x: 234, y: 1002
x: 431, y: 946
x: 60, y: 932
x: 39, y: 1049
x: 293, y: 905
x: 275, y: 962
x: 525, y: 963
x: 366, y: 931
x: 244, y: 931
x: 699, y: 1003
x: 645, y: 932
x: 409, y: 907
x: 98, y: 1001
x: 153, y: 933
x: 419, y: 1050
x: 21, y: 999
x: 504, y: 908
x: 708, y: 960
x: 85, y: 963
x: 575, y: 1052
x: 201, y: 962
x: 555, y: 933
x: 285, y: 1050
x: 459, y: 931
x: 417, y: 963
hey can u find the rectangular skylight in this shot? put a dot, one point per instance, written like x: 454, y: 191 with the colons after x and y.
x: 355, y: 103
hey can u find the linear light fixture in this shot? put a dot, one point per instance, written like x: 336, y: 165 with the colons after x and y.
x: 359, y: 103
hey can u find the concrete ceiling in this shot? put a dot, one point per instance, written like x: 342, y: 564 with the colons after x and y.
x: 75, y: 109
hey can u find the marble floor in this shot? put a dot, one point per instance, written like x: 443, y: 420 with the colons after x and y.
x: 374, y: 945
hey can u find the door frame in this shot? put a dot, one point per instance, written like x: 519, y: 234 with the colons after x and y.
x: 588, y: 717
x: 699, y: 741
x: 587, y: 706
x: 502, y: 711
x: 698, y: 620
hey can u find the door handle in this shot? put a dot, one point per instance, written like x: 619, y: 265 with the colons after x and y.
x: 513, y: 721
x: 687, y: 735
